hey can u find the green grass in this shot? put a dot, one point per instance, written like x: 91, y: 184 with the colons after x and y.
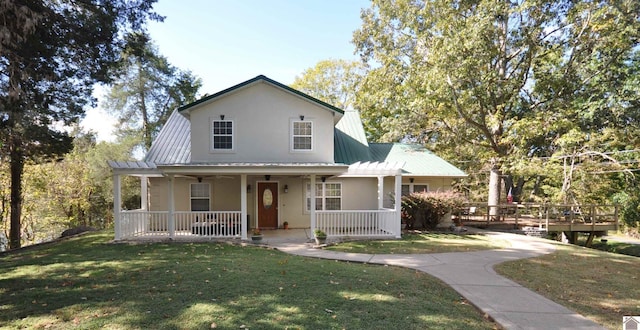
x: 599, y: 285
x: 85, y: 283
x: 617, y: 247
x: 432, y: 242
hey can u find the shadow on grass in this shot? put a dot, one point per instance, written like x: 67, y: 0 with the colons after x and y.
x: 86, y: 283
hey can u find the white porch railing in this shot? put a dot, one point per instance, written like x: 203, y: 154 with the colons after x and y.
x: 138, y: 223
x: 359, y: 222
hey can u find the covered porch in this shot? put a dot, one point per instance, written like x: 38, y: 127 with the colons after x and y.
x: 247, y: 193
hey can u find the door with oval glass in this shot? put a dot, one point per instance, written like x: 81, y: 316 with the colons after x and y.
x: 268, y: 204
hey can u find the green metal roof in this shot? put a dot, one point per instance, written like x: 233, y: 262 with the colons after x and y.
x: 256, y: 79
x: 350, y: 141
x: 418, y: 160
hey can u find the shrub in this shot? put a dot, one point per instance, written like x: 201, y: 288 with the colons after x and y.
x: 427, y: 209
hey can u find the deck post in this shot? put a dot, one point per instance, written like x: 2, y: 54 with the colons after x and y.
x: 172, y: 208
x: 312, y: 206
x: 243, y: 206
x: 117, y: 206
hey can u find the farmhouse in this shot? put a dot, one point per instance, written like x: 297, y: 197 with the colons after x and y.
x: 259, y: 154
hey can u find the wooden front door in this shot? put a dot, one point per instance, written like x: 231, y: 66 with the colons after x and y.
x: 268, y: 205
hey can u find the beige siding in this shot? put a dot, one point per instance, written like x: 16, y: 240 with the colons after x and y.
x: 435, y: 184
x: 262, y: 116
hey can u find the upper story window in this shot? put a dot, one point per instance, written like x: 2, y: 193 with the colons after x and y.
x: 222, y: 135
x: 302, y: 135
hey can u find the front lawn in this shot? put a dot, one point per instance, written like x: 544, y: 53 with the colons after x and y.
x: 86, y: 283
x: 599, y: 285
x: 427, y: 242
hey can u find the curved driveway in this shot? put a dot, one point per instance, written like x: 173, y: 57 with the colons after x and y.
x: 471, y: 274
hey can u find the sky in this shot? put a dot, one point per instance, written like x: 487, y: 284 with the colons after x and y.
x: 225, y: 42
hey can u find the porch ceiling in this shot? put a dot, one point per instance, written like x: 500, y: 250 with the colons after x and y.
x: 256, y: 168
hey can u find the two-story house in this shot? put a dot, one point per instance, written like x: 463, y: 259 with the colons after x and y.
x: 265, y: 153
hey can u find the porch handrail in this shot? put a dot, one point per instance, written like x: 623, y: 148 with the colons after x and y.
x: 202, y: 223
x: 357, y: 222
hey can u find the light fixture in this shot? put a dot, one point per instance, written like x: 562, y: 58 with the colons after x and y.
x: 199, y: 179
x: 248, y: 188
x: 324, y: 178
x: 286, y: 188
x: 301, y: 117
x: 267, y: 177
x: 221, y: 117
x: 411, y: 180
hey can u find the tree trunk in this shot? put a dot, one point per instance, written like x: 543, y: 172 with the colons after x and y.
x: 494, y: 189
x: 17, y: 166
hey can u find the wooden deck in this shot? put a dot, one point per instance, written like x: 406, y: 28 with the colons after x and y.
x: 565, y: 218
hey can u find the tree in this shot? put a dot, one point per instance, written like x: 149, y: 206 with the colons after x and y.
x: 333, y: 81
x: 502, y: 81
x: 147, y: 89
x: 51, y: 54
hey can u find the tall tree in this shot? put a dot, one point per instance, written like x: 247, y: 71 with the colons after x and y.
x: 51, y: 54
x: 506, y: 80
x: 147, y: 89
x: 333, y: 81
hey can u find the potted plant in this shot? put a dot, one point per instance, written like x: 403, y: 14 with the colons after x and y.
x: 256, y: 235
x: 285, y: 225
x: 321, y: 236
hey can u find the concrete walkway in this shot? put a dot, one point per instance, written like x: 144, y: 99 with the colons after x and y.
x: 471, y: 274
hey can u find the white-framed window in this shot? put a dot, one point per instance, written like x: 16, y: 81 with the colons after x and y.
x: 301, y: 135
x: 200, y: 196
x: 222, y: 135
x: 414, y: 187
x: 328, y: 196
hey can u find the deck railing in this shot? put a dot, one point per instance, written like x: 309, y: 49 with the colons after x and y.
x: 542, y: 215
x: 138, y: 223
x: 359, y: 222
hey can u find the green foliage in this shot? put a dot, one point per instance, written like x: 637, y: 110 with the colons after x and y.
x: 333, y: 81
x: 505, y: 83
x: 52, y: 54
x: 428, y: 208
x: 630, y: 210
x: 147, y: 89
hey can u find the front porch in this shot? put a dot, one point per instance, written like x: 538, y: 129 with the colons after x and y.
x: 227, y: 224
x: 228, y: 201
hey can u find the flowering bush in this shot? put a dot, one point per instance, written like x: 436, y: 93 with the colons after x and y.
x: 426, y: 209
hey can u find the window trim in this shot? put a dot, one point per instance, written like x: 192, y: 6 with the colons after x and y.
x: 293, y: 136
x: 323, y: 196
x: 233, y: 136
x: 191, y: 197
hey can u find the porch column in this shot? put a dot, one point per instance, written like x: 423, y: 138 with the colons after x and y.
x: 312, y: 206
x: 380, y: 192
x: 144, y: 191
x: 243, y: 205
x: 172, y: 208
x: 117, y: 206
x: 398, y: 203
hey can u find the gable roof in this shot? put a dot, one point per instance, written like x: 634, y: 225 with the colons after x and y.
x: 257, y: 79
x: 419, y: 160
